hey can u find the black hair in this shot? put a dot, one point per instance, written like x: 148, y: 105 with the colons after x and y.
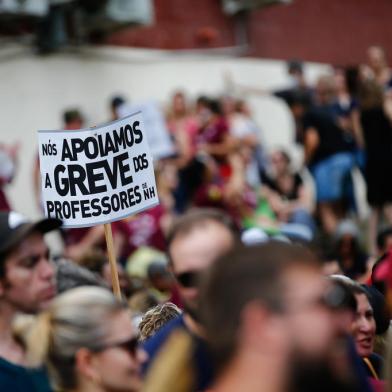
x: 359, y: 258
x: 299, y: 97
x: 215, y: 106
x: 3, y: 257
x: 116, y: 102
x: 202, y: 100
x: 380, y: 309
x: 352, y: 79
x: 72, y: 115
x: 295, y: 66
x: 382, y: 236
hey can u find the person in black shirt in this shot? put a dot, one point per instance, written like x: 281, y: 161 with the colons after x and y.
x: 328, y: 157
x: 377, y: 133
x: 297, y: 85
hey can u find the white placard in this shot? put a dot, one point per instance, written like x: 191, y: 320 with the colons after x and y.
x: 97, y: 175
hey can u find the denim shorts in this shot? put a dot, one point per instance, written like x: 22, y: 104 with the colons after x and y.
x: 331, y: 176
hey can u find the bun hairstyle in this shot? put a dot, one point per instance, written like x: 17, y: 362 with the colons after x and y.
x: 74, y: 320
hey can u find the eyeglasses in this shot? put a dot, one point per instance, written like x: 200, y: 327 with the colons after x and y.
x: 188, y: 279
x: 129, y: 345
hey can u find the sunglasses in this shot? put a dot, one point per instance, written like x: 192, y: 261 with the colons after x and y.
x: 188, y: 279
x: 129, y: 345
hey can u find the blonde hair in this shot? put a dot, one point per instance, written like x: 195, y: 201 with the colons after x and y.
x: 74, y: 320
x: 156, y: 318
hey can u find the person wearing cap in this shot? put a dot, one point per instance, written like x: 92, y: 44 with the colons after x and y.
x: 27, y: 285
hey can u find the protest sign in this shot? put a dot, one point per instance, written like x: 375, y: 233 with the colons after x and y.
x: 97, y: 175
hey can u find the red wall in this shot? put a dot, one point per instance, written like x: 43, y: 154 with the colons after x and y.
x: 333, y: 31
x: 181, y: 24
x: 336, y: 31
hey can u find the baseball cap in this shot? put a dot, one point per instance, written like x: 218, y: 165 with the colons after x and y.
x: 15, y: 227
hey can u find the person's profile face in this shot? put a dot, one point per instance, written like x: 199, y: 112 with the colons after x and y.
x: 364, y: 326
x: 118, y: 364
x: 29, y: 282
x: 194, y: 252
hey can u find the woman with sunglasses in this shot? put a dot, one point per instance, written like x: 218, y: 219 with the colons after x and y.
x: 87, y: 342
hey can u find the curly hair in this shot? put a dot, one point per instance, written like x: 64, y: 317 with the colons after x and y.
x: 156, y: 318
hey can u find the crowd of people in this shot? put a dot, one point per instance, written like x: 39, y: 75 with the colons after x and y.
x: 251, y: 273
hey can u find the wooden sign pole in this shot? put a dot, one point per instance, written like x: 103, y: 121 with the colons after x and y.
x: 112, y: 260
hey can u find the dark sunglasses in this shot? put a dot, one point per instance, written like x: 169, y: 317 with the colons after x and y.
x: 129, y: 345
x: 188, y: 279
